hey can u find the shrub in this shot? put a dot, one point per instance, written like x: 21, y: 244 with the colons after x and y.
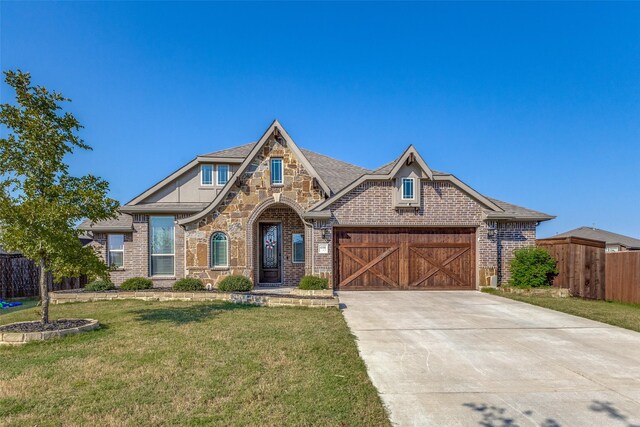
x: 136, y: 283
x: 313, y: 283
x: 188, y: 284
x: 99, y: 285
x: 235, y: 283
x: 532, y: 267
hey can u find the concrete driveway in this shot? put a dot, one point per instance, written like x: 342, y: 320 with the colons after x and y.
x: 467, y: 358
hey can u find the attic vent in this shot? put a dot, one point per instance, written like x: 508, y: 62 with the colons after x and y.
x: 410, y: 159
x: 278, y: 136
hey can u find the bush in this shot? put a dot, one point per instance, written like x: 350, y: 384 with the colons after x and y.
x: 99, y: 285
x: 532, y: 268
x: 188, y: 284
x: 136, y: 283
x: 235, y: 283
x: 313, y: 283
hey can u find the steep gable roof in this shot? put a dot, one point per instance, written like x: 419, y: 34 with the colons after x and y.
x: 389, y: 170
x: 275, y: 127
x: 602, y: 235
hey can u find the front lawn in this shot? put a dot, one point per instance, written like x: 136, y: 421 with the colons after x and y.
x: 614, y: 313
x: 177, y: 363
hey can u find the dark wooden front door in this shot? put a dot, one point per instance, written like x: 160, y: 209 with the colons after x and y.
x: 404, y: 258
x: 270, y: 253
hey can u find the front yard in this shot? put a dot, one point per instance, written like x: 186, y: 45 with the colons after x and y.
x: 614, y: 313
x: 177, y: 363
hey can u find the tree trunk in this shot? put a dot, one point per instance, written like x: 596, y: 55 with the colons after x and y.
x: 44, y: 292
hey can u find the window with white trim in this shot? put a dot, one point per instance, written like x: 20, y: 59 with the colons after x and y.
x: 219, y: 250
x: 115, y: 250
x: 407, y: 189
x: 276, y: 171
x: 297, y: 243
x: 206, y: 175
x: 223, y: 175
x: 162, y: 245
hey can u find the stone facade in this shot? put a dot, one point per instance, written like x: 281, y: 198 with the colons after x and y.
x: 242, y: 209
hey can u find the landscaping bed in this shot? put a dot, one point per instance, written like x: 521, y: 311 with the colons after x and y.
x: 190, y: 363
x: 37, y: 326
x: 614, y: 313
x: 546, y: 291
x: 261, y: 299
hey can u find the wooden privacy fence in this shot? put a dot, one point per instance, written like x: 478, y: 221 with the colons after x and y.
x: 623, y: 277
x: 581, y: 265
x: 19, y: 278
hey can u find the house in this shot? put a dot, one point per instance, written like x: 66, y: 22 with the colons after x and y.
x: 275, y: 212
x: 614, y: 242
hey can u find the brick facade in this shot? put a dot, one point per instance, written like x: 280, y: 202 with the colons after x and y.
x: 136, y: 253
x: 253, y: 199
x: 441, y: 204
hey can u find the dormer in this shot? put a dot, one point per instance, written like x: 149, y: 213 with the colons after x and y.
x: 407, y: 176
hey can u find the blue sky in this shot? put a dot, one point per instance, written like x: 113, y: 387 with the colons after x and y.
x: 534, y: 104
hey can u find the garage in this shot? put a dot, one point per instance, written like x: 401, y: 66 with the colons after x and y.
x: 393, y: 258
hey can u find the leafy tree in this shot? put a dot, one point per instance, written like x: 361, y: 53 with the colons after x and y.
x: 40, y: 202
x: 532, y: 267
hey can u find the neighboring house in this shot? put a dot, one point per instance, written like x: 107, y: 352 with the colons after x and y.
x: 274, y: 212
x: 614, y: 242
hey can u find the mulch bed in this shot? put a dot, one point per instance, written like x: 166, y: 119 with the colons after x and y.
x: 55, y: 325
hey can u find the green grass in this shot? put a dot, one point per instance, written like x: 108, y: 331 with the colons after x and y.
x: 26, y: 303
x: 186, y: 363
x: 614, y: 313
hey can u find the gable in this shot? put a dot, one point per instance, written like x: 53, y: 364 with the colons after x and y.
x: 252, y: 174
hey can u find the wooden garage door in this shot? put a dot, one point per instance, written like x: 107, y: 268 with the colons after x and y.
x: 404, y: 258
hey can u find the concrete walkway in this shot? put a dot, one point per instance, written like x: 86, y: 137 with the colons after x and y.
x: 468, y: 359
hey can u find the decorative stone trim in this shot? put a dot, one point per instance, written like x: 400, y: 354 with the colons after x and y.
x: 312, y: 292
x: 547, y: 292
x: 18, y: 338
x: 267, y: 300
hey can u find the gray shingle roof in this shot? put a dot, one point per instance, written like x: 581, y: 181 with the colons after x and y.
x: 121, y: 223
x: 335, y: 173
x: 602, y: 235
x: 385, y: 169
x: 240, y: 151
x: 175, y: 207
x: 520, y: 212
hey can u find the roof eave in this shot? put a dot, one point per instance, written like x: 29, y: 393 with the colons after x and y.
x: 159, y: 209
x: 106, y: 229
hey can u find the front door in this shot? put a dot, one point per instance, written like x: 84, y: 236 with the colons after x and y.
x: 270, y: 253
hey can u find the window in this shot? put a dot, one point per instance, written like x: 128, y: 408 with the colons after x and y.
x: 297, y: 241
x: 115, y: 255
x: 206, y: 174
x: 161, y: 245
x: 276, y: 171
x: 223, y: 174
x: 407, y: 189
x: 219, y: 250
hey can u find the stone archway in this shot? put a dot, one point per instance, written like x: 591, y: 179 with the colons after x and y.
x: 288, y: 214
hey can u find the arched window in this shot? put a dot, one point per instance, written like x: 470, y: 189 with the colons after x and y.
x: 219, y: 250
